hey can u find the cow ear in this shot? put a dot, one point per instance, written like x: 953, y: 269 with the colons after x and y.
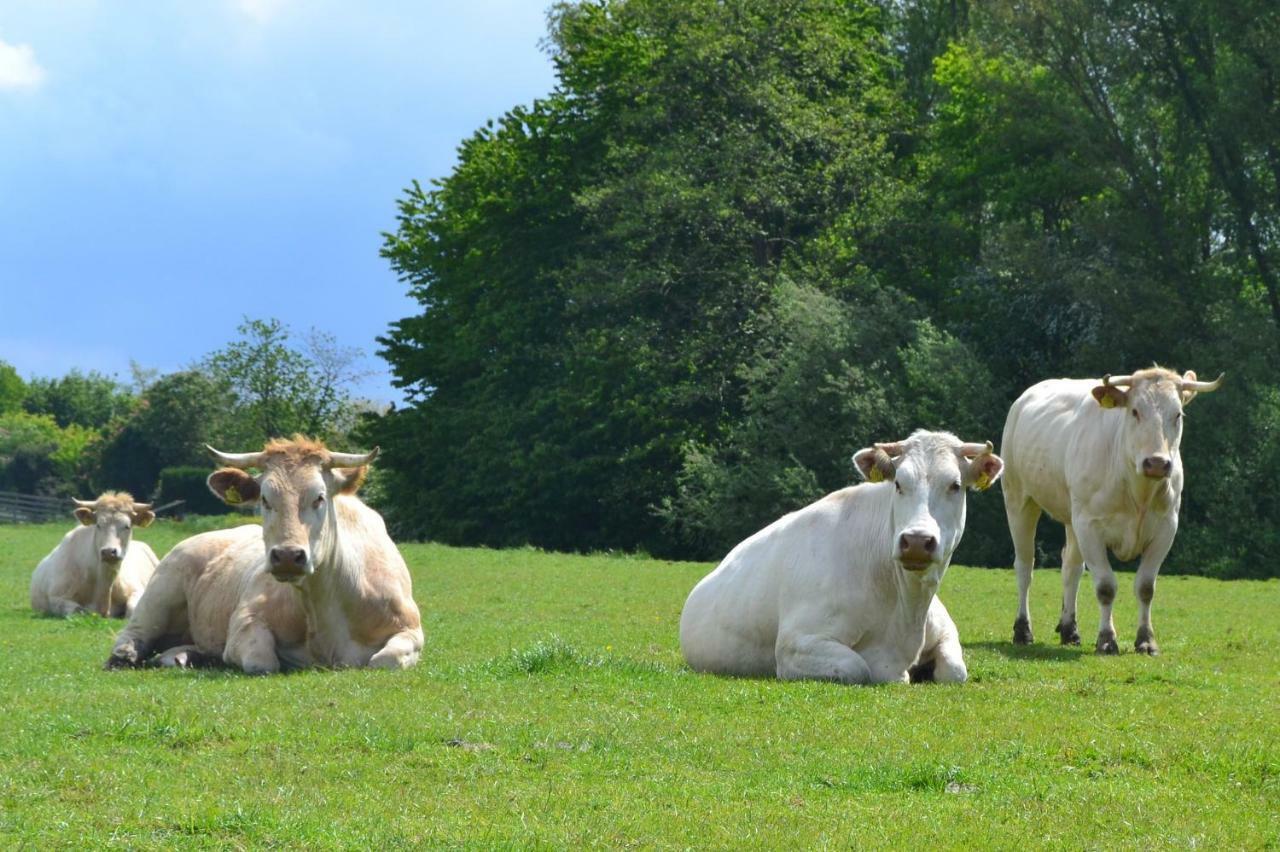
x: 1188, y: 395
x: 233, y: 486
x: 347, y: 480
x: 85, y: 516
x: 1110, y: 396
x: 143, y: 518
x: 985, y: 470
x: 874, y: 464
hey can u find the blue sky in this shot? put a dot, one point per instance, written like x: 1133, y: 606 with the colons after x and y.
x: 167, y: 168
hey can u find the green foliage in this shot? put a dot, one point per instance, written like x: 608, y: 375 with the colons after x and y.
x: 176, y: 416
x: 551, y: 708
x: 586, y: 270
x: 90, y: 399
x: 189, y: 485
x: 37, y: 456
x: 277, y: 389
x: 12, y: 389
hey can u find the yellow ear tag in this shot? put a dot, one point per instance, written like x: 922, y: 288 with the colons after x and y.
x: 983, y: 482
x: 875, y: 475
x: 1107, y: 401
x: 232, y: 495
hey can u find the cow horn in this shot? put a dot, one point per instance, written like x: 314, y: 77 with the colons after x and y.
x: 1117, y: 381
x: 142, y: 507
x: 352, y: 459
x: 1202, y: 387
x: 240, y: 460
x: 892, y: 449
x: 971, y: 450
x: 84, y: 504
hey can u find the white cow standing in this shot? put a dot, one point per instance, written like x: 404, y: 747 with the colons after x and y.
x: 320, y: 583
x: 1101, y: 457
x: 96, y: 567
x: 845, y: 589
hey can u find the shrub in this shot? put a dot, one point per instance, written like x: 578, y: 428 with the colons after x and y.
x: 188, y: 483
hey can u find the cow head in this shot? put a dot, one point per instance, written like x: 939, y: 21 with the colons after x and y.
x: 113, y: 516
x: 929, y: 473
x: 299, y: 479
x: 1152, y: 402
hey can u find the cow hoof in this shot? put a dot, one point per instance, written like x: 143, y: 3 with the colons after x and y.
x: 120, y: 661
x: 1022, y: 632
x: 1107, y: 645
x: 1068, y: 634
x: 1146, y: 643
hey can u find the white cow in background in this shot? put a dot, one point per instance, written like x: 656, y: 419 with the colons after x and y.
x: 1101, y: 457
x: 845, y: 588
x: 96, y: 568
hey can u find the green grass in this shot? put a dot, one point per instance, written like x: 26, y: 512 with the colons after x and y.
x: 551, y: 707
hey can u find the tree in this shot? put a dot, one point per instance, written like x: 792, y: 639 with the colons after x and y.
x: 585, y: 271
x: 276, y: 390
x: 87, y: 399
x: 12, y: 389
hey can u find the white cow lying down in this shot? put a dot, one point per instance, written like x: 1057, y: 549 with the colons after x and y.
x: 845, y: 588
x: 319, y: 583
x: 95, y: 568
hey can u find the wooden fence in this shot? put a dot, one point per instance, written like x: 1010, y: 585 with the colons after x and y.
x: 30, y: 509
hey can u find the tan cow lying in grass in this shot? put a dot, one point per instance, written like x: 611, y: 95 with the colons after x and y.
x: 319, y: 583
x: 95, y: 568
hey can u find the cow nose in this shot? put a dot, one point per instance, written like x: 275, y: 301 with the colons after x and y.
x: 288, y: 556
x: 111, y: 554
x: 1157, y: 467
x: 917, y: 547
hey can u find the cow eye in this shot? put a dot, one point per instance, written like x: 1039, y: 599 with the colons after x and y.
x: 319, y: 501
x: 897, y: 486
x: 265, y: 504
x: 955, y: 487
x: 1135, y: 414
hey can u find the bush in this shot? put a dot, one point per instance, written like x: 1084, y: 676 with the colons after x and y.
x: 188, y: 483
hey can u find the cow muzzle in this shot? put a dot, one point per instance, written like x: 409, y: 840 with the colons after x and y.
x: 916, y: 551
x: 110, y: 554
x: 288, y: 563
x: 1157, y: 467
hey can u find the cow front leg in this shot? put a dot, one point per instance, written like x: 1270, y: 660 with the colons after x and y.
x: 810, y: 657
x: 1094, y: 551
x: 1144, y: 586
x: 941, y: 659
x: 251, y: 646
x: 1072, y: 568
x: 64, y: 607
x: 400, y: 652
x: 161, y: 611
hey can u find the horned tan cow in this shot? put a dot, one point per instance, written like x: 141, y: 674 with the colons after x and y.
x: 1101, y: 457
x: 845, y: 588
x: 320, y: 583
x: 96, y: 567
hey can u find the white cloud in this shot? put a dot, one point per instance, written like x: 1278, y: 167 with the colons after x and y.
x: 18, y: 67
x: 260, y: 11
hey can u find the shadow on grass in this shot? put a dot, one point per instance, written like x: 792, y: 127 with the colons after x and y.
x: 1040, y: 651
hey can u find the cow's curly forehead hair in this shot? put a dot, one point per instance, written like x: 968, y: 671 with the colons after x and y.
x: 295, y: 452
x: 114, y: 501
x: 1155, y: 375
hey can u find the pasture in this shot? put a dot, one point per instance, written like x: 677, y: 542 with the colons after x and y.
x: 551, y: 707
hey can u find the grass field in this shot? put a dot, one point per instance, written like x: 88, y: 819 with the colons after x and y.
x: 551, y: 707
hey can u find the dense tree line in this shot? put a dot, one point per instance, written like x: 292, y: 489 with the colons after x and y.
x: 743, y: 238
x: 82, y: 433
